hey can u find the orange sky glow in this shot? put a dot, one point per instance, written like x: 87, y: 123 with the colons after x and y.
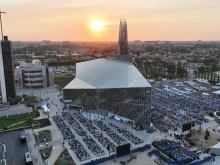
x: 72, y: 20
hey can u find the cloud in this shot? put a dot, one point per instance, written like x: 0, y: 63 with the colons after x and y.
x: 172, y: 11
x: 100, y: 4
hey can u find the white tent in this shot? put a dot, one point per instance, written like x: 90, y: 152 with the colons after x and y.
x: 216, y: 92
x: 45, y: 108
x: 215, y: 149
x: 206, y: 94
x: 117, y: 118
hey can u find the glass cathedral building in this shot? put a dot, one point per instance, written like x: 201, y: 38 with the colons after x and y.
x: 111, y: 87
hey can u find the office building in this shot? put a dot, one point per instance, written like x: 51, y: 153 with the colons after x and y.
x: 111, y: 87
x: 33, y: 75
x: 123, y: 38
x: 6, y: 71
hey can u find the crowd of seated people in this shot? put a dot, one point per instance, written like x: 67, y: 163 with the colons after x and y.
x: 93, y: 146
x: 127, y: 134
x: 171, y: 109
x: 66, y: 132
x: 74, y: 124
x: 113, y: 135
x: 183, y: 155
x: 176, y: 151
x: 79, y: 150
x: 75, y: 145
x: 95, y: 132
x: 165, y: 145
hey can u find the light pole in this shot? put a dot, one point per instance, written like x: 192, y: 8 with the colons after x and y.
x: 1, y: 23
x: 98, y: 104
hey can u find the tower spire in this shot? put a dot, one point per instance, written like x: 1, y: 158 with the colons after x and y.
x: 123, y: 38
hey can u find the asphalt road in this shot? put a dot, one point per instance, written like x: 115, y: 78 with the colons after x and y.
x: 15, y: 148
x: 1, y: 156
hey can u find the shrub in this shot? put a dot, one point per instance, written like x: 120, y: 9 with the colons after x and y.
x: 39, y: 107
x: 44, y: 122
x: 189, y: 134
x: 45, y: 153
x: 211, y: 114
x: 45, y: 134
x: 207, y: 134
x: 37, y: 113
x: 206, y: 137
x: 14, y: 101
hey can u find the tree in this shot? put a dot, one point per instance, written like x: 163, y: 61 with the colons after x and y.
x: 30, y: 99
x: 208, y: 76
x: 211, y: 114
x: 211, y: 77
x: 196, y: 73
x: 201, y: 69
x: 207, y: 134
x: 189, y: 134
x: 202, y: 75
x: 213, y: 66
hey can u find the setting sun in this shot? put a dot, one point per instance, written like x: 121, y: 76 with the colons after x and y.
x: 97, y: 25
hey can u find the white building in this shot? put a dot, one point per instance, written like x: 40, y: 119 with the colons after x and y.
x: 33, y: 75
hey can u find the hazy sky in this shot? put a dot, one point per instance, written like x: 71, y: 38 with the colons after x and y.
x: 59, y: 20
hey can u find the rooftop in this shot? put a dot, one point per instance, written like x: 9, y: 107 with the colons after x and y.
x: 107, y: 73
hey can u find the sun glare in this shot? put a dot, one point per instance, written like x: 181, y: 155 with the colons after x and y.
x: 97, y: 25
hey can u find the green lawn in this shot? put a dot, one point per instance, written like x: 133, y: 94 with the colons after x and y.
x: 61, y: 76
x: 62, y: 80
x: 15, y: 119
x: 23, y: 124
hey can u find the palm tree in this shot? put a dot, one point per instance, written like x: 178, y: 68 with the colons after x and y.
x: 208, y: 76
x: 196, y: 73
x: 211, y: 77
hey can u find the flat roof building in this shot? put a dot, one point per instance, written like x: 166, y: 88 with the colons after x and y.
x: 33, y: 75
x: 111, y: 87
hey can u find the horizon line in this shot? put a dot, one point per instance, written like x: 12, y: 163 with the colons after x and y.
x: 115, y: 41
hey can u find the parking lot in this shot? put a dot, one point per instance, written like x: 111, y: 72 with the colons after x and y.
x: 15, y: 148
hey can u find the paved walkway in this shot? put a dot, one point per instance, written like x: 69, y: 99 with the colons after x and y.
x: 34, y: 150
x: 56, y: 142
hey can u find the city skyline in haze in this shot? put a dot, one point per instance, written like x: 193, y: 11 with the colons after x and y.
x: 74, y: 20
